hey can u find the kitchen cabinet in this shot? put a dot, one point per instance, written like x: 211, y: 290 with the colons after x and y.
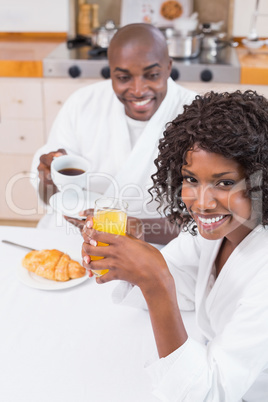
x: 21, y: 98
x: 18, y: 199
x: 21, y: 134
x: 28, y: 107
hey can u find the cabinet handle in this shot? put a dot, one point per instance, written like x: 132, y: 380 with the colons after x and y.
x: 59, y: 102
x: 20, y: 101
x: 22, y: 138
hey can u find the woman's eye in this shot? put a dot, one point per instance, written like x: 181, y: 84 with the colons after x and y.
x: 226, y: 183
x: 189, y: 179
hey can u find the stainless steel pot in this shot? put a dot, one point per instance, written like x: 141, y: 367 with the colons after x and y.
x: 185, y: 46
x: 102, y: 36
x: 215, y: 39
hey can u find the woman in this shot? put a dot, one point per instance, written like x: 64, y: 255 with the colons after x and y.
x: 212, y: 170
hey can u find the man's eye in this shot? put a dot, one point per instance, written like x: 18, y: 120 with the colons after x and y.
x: 123, y: 78
x: 152, y: 76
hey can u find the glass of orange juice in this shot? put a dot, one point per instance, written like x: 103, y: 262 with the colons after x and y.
x: 110, y: 216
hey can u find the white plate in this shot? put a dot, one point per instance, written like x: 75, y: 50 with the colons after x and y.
x: 38, y: 282
x: 70, y: 202
x: 44, y: 239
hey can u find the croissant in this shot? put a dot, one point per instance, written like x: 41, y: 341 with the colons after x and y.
x: 53, y: 264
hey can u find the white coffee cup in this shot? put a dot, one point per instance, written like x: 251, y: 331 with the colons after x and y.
x: 70, y: 170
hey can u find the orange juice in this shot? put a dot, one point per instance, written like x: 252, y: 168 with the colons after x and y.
x: 110, y: 221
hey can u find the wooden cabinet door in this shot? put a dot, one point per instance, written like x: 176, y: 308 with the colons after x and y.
x: 18, y: 198
x: 21, y: 99
x: 21, y: 136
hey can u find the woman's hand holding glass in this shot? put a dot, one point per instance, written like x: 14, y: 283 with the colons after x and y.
x: 126, y: 257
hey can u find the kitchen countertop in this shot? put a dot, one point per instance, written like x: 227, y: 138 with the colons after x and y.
x: 254, y: 65
x: 23, y: 58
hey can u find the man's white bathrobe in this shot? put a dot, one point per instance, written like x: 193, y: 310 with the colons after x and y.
x: 231, y: 313
x: 92, y: 123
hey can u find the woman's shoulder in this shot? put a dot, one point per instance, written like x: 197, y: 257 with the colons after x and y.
x: 188, y: 244
x: 257, y: 237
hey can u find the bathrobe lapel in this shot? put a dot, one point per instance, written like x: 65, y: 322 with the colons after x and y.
x: 138, y: 166
x: 209, y: 252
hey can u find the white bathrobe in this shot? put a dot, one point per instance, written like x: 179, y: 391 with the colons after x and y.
x: 225, y: 358
x: 232, y: 314
x: 92, y: 124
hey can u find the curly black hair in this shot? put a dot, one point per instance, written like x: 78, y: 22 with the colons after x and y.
x: 234, y: 125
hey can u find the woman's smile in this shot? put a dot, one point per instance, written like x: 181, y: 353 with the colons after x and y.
x: 210, y: 222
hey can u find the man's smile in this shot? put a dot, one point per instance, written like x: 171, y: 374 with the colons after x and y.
x: 141, y: 102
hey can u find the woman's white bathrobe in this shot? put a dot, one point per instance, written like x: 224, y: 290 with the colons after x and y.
x: 92, y: 123
x: 231, y: 313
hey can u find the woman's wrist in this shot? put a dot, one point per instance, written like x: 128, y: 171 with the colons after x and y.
x: 157, y: 288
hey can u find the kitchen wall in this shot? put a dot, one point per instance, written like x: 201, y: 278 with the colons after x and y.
x: 52, y: 15
x: 109, y: 9
x: 243, y: 10
x: 211, y: 10
x: 33, y: 15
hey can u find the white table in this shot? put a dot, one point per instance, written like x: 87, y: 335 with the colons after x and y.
x: 67, y: 345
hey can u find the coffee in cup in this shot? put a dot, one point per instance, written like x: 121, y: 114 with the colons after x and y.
x: 69, y: 170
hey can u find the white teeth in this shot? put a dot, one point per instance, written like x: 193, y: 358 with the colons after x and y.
x: 142, y: 103
x: 213, y: 220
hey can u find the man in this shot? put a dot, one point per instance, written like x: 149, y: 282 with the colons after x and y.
x: 116, y: 125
